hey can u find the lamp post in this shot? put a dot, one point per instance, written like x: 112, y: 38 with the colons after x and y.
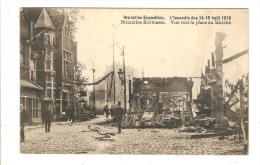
x: 121, y: 74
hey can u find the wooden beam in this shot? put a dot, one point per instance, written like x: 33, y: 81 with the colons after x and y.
x: 235, y: 56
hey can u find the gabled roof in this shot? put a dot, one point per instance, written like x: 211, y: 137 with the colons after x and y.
x: 44, y: 20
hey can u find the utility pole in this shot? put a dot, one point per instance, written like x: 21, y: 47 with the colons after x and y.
x: 94, y: 92
x: 114, y: 77
x: 123, y: 53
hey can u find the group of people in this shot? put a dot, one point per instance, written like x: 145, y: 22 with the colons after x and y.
x: 117, y: 114
x: 47, y: 118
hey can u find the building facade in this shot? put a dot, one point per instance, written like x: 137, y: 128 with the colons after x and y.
x: 48, y: 56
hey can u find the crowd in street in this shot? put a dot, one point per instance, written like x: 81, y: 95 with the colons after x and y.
x: 117, y: 114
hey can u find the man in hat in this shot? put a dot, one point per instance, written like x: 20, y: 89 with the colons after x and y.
x: 119, y: 114
x: 48, y: 117
x: 23, y: 119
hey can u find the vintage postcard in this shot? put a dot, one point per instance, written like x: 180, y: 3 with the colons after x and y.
x: 134, y: 81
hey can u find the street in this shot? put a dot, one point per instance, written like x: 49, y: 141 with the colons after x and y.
x: 83, y: 138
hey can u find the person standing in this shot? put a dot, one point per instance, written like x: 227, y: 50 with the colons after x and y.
x: 23, y: 120
x: 106, y: 110
x: 68, y: 113
x: 112, y: 112
x: 47, y: 120
x: 72, y: 115
x: 119, y: 114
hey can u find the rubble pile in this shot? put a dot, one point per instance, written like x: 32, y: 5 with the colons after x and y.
x: 204, y: 124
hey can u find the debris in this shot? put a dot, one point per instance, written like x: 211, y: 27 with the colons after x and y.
x: 205, y: 123
x: 102, y: 138
x: 203, y: 135
x: 187, y: 129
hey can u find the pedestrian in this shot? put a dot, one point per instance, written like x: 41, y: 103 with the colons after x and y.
x: 106, y: 110
x: 23, y: 120
x: 72, y: 115
x: 42, y: 115
x: 119, y: 114
x: 112, y: 112
x: 94, y: 111
x: 48, y: 117
x: 69, y: 115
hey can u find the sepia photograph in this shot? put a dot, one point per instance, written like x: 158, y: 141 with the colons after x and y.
x: 136, y: 81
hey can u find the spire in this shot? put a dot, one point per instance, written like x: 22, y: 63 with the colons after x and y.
x: 44, y: 20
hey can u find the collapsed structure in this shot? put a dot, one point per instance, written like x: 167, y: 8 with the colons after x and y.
x: 158, y: 101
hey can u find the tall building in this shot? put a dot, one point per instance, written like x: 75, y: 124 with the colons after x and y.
x: 65, y: 62
x: 48, y: 56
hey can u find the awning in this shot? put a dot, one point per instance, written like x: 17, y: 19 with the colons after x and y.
x: 28, y: 84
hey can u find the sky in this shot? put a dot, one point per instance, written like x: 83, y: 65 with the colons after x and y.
x: 162, y: 50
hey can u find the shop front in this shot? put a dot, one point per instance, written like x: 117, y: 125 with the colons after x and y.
x: 31, y: 100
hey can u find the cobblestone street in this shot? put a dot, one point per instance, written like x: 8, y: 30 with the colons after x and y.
x: 81, y: 138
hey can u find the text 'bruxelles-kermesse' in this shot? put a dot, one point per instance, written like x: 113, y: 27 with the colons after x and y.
x: 143, y: 19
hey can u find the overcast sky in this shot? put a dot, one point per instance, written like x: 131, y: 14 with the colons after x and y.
x: 161, y: 50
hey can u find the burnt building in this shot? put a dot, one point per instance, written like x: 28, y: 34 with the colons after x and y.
x: 149, y: 93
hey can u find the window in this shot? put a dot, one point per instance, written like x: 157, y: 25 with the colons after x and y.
x: 33, y: 69
x: 49, y: 39
x: 35, y: 108
x: 49, y: 61
x: 22, y: 59
x: 67, y: 64
x: 67, y: 31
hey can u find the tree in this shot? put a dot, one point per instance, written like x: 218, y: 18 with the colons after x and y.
x: 80, y: 80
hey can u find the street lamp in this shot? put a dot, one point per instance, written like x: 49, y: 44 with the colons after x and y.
x: 121, y: 74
